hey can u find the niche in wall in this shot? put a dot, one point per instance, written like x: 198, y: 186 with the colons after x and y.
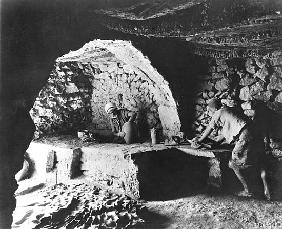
x: 83, y: 81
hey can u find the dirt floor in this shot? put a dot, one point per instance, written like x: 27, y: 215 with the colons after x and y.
x: 70, y: 206
x: 205, y: 211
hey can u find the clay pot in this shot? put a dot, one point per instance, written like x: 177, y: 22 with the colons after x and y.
x: 130, y: 130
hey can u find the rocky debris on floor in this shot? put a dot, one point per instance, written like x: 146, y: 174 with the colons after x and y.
x: 85, y: 206
x: 228, y: 212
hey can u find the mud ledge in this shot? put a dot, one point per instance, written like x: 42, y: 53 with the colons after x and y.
x: 137, y: 170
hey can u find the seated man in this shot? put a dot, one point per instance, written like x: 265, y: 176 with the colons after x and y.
x: 235, y: 129
x: 122, y: 123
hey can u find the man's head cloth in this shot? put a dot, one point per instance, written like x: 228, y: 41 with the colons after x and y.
x: 110, y: 107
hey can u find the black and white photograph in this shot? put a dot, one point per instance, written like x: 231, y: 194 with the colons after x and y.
x: 141, y: 114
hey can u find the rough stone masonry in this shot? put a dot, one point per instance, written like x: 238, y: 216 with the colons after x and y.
x: 83, y: 81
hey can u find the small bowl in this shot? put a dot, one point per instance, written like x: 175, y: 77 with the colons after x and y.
x: 81, y: 134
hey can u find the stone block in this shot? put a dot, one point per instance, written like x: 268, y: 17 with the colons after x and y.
x: 229, y: 102
x: 250, y: 113
x: 217, y: 75
x: 263, y: 96
x: 223, y: 84
x: 275, y: 82
x: 205, y: 95
x: 222, y: 68
x: 231, y: 72
x: 245, y: 94
x: 276, y: 60
x: 278, y: 98
x: 247, y: 105
x: 262, y: 73
x: 257, y: 87
x: 251, y: 66
x: 220, y: 61
x: 71, y: 88
x: 61, y: 74
x: 247, y: 80
x: 278, y: 70
x: 260, y: 62
x: 221, y: 65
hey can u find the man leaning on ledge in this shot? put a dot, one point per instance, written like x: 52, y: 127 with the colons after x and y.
x: 236, y: 129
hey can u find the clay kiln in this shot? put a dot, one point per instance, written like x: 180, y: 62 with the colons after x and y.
x: 83, y: 81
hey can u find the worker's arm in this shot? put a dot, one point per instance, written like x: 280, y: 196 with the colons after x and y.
x: 212, y: 125
x: 206, y: 133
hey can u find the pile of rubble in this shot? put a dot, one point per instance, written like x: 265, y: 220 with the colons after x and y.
x: 83, y: 206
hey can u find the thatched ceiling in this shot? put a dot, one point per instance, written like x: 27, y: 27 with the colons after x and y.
x: 227, y: 28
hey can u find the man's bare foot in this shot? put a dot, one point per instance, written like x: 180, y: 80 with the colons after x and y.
x: 244, y: 193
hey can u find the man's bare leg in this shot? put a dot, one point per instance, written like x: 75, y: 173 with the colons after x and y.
x: 241, y: 179
x: 265, y: 185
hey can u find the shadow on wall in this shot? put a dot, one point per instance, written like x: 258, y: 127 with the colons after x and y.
x: 170, y: 174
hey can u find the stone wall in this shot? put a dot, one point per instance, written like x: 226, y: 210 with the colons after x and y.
x: 253, y: 84
x: 83, y: 81
x: 62, y: 106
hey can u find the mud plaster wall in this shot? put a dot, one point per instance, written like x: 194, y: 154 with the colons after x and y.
x: 83, y: 81
x: 253, y: 84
